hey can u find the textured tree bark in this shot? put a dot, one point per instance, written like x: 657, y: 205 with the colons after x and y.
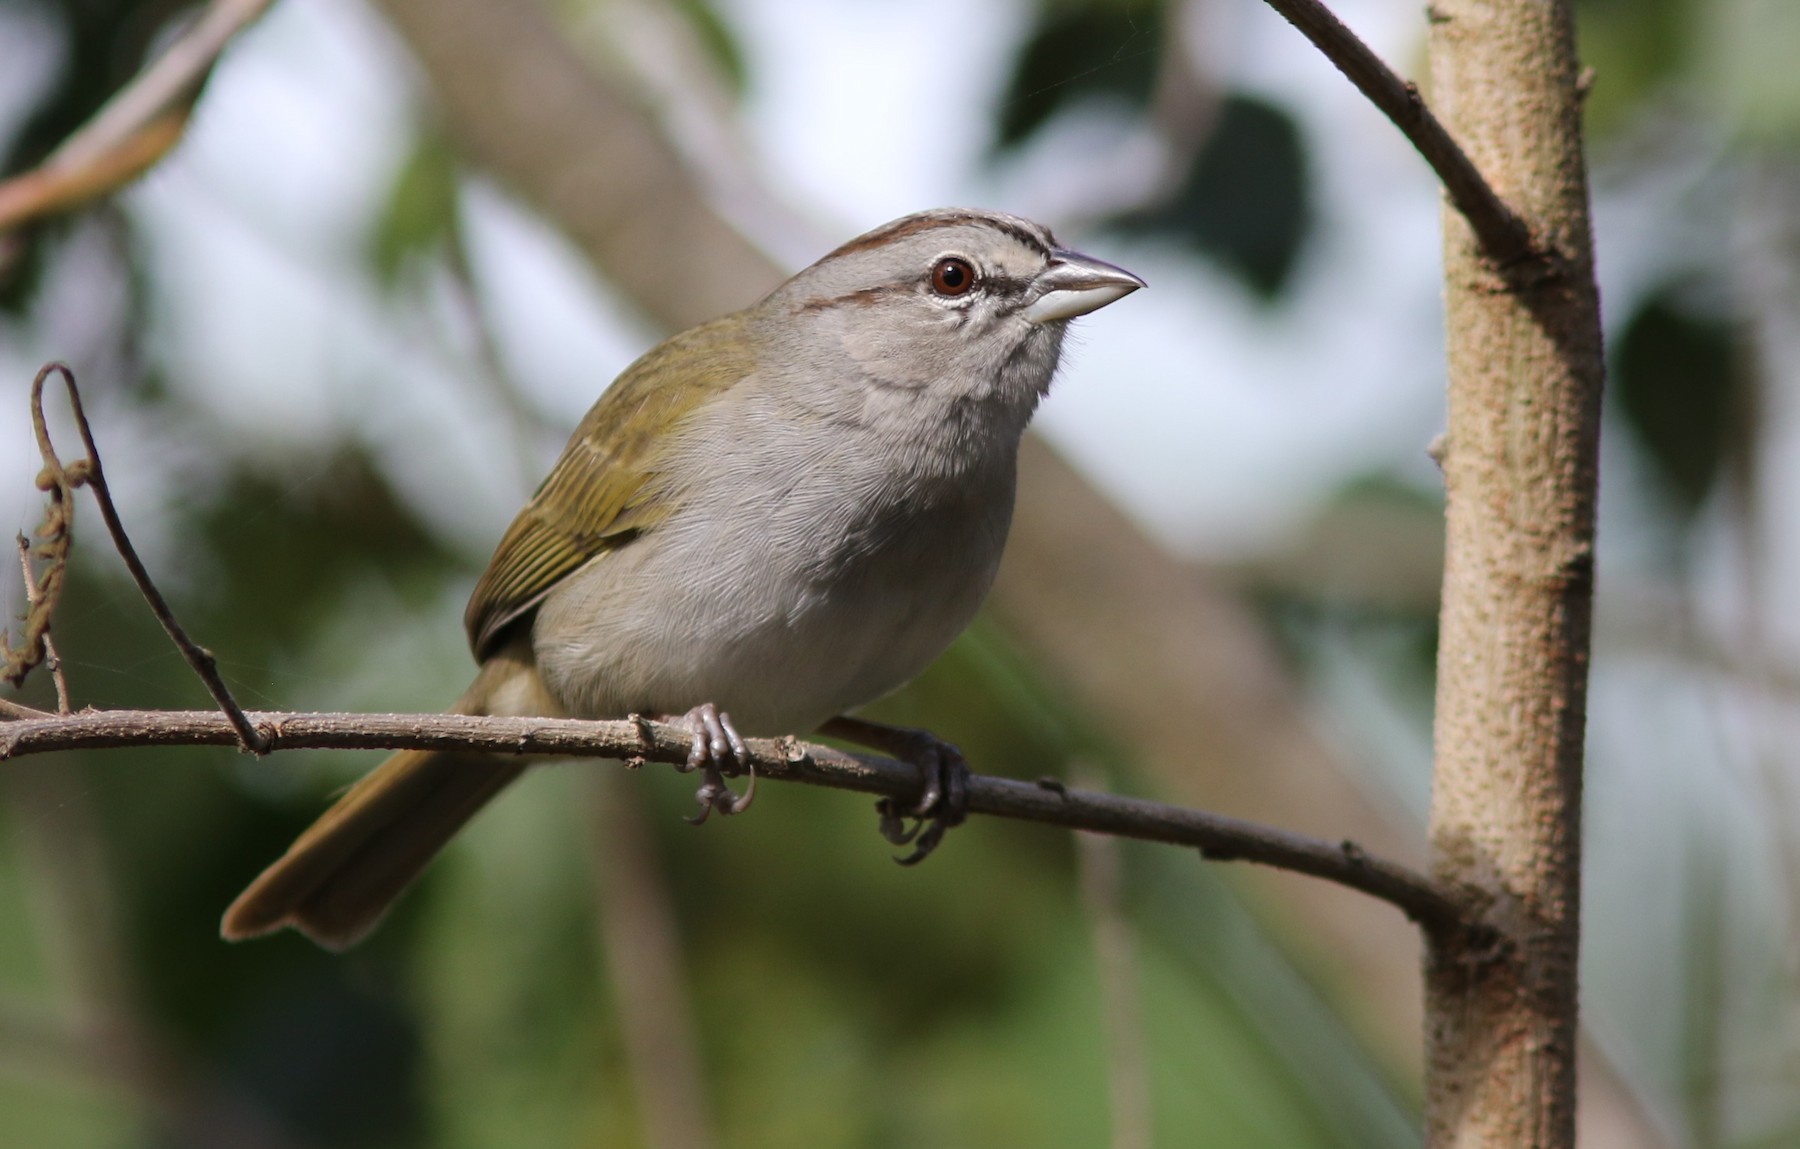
x: 1520, y: 468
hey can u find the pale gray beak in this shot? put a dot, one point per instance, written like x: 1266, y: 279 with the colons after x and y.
x: 1075, y: 284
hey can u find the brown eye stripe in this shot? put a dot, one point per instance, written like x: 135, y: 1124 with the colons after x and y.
x: 863, y: 297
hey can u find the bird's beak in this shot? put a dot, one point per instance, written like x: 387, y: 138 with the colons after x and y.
x: 1075, y: 284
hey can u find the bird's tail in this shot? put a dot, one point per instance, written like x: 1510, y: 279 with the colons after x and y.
x: 339, y: 877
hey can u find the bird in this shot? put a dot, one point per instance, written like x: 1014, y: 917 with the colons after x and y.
x: 765, y: 522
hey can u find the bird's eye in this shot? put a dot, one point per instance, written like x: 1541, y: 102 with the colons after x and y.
x: 952, y: 276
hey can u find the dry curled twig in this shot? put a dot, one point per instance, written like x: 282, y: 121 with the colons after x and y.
x: 49, y: 544
x: 55, y: 537
x: 44, y: 641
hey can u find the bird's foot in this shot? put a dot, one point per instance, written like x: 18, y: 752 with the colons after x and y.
x: 943, y: 800
x: 716, y: 742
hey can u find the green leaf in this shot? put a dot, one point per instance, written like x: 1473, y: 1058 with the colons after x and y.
x: 1634, y: 47
x: 420, y: 216
x: 286, y: 549
x: 720, y: 43
x: 1245, y: 200
x: 1678, y: 380
x: 1077, y: 53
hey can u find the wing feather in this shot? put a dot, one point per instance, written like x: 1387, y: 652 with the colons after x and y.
x: 603, y: 491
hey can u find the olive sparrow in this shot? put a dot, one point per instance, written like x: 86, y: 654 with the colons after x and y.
x: 768, y: 520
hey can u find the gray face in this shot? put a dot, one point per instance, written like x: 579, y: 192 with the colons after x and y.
x: 954, y: 302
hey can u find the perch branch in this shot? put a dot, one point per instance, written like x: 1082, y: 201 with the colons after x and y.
x: 135, y: 128
x: 61, y: 481
x: 1504, y: 235
x: 636, y: 740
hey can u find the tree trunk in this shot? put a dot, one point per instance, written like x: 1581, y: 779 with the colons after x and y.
x: 1520, y: 470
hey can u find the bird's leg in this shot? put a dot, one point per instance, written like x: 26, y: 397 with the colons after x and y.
x: 943, y: 782
x: 716, y: 741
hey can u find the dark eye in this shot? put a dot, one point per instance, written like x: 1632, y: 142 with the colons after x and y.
x: 952, y: 276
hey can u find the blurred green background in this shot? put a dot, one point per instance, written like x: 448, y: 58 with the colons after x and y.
x: 328, y: 352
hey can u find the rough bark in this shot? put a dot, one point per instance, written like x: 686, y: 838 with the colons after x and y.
x: 1519, y: 465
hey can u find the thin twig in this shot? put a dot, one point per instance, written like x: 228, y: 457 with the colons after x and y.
x: 50, y: 656
x: 88, y: 472
x: 1504, y: 235
x: 1217, y: 837
x: 10, y: 710
x: 132, y: 130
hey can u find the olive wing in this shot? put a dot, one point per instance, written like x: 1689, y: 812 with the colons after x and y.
x: 604, y: 491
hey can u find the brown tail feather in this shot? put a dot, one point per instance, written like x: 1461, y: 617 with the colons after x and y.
x: 338, y: 879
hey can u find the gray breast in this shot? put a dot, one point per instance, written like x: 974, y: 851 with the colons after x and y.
x: 810, y: 569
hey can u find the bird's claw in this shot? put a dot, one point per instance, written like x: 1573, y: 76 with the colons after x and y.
x: 716, y: 741
x: 715, y: 795
x: 943, y: 797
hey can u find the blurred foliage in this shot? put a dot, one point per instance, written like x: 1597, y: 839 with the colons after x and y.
x: 418, y: 220
x: 716, y: 37
x: 327, y: 1049
x: 1679, y: 382
x: 304, y: 540
x: 1079, y: 52
x: 1367, y: 567
x: 319, y: 1045
x: 1636, y: 49
x: 103, y: 44
x: 1751, y: 57
x: 1729, y: 58
x: 1243, y: 200
x: 840, y: 999
x: 1240, y: 197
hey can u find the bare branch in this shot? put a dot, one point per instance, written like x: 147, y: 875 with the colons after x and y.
x: 134, y: 129
x: 635, y: 741
x: 1504, y: 235
x: 89, y: 473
